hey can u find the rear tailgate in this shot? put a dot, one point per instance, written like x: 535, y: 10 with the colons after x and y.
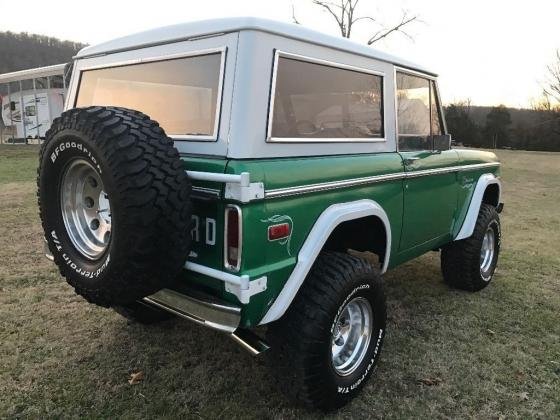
x: 208, y: 213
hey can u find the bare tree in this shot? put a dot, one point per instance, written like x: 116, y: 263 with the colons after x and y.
x: 344, y: 13
x: 294, y: 18
x: 551, y: 89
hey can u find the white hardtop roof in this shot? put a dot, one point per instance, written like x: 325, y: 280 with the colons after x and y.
x: 32, y: 73
x: 203, y: 28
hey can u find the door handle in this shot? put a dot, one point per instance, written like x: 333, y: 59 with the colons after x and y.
x: 410, y: 160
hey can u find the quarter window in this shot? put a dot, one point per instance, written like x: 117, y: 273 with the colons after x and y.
x: 417, y: 112
x: 181, y: 94
x: 318, y: 101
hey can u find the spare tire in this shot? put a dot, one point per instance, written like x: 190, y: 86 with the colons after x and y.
x: 114, y: 203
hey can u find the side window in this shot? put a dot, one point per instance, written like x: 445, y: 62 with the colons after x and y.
x: 417, y: 112
x: 319, y: 101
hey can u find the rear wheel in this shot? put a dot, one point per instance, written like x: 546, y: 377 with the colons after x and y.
x: 469, y: 264
x: 327, y: 344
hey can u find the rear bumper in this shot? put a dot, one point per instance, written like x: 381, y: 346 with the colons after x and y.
x: 202, y: 310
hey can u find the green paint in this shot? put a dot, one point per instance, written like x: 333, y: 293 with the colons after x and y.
x: 424, y: 212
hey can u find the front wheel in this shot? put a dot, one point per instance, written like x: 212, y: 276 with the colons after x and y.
x: 469, y: 264
x: 328, y: 343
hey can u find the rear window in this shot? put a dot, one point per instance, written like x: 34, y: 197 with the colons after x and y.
x: 325, y: 102
x: 182, y: 95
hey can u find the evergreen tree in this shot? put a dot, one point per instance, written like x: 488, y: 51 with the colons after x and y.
x: 497, y: 129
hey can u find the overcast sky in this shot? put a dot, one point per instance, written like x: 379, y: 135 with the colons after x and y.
x: 489, y: 51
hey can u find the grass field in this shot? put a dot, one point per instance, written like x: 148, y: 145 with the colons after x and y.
x: 448, y: 354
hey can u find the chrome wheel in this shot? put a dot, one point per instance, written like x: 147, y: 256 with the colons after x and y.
x: 351, y: 336
x: 487, y: 251
x: 86, y: 209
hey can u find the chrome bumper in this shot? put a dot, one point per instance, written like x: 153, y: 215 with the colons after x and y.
x: 218, y: 316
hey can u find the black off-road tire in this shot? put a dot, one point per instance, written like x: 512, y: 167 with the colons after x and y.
x: 300, y: 354
x: 149, y: 197
x: 143, y: 314
x: 460, y: 260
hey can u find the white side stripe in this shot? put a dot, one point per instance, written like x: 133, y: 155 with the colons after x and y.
x: 324, y: 186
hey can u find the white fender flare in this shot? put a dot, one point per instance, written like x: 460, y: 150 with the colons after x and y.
x: 325, y: 224
x: 474, y: 207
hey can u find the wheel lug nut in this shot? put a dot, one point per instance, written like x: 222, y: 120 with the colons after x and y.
x: 88, y: 201
x: 94, y: 224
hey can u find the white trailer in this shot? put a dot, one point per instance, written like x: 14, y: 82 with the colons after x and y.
x: 29, y: 101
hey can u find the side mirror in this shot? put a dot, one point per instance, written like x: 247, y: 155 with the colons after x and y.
x: 442, y: 142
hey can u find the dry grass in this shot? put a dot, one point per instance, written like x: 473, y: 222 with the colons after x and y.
x: 494, y: 354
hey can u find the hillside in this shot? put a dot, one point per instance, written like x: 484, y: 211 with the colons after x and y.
x: 24, y: 51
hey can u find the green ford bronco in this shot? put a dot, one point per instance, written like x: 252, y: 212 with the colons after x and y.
x: 235, y: 173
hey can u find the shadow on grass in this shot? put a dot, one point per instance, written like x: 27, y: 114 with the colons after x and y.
x: 192, y: 370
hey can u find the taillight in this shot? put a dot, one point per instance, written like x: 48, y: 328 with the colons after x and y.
x: 232, y: 238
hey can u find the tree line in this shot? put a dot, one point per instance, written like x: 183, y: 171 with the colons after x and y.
x: 21, y: 51
x: 537, y: 128
x: 500, y: 127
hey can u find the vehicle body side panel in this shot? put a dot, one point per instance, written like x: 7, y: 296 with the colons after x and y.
x: 467, y: 180
x: 277, y: 259
x: 430, y: 201
x: 329, y: 219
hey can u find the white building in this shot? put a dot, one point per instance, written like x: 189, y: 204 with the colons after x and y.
x: 30, y: 100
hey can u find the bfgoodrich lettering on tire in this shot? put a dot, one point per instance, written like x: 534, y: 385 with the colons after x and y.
x: 469, y: 264
x: 328, y: 343
x: 114, y: 203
